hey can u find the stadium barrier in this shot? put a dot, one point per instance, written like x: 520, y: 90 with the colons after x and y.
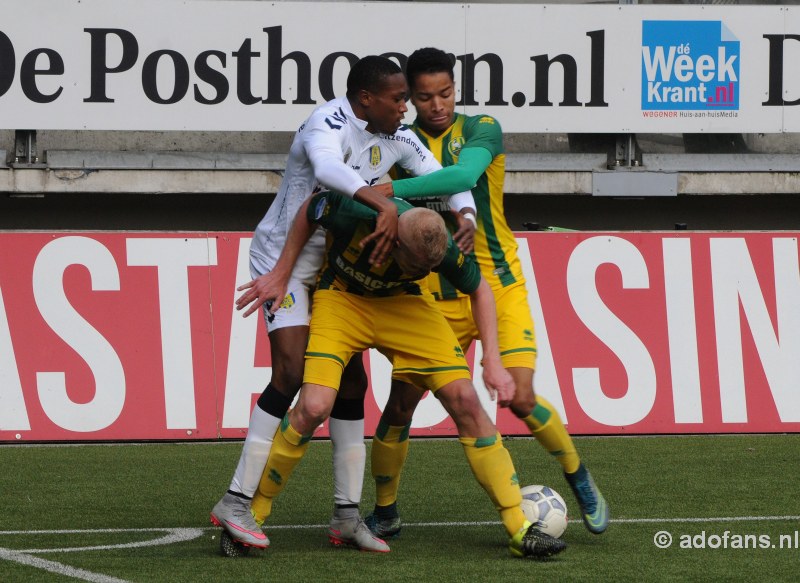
x: 134, y: 336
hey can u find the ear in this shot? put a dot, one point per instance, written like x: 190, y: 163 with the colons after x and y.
x: 364, y: 98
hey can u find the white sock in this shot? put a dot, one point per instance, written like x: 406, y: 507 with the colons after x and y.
x: 254, y: 452
x: 349, y: 459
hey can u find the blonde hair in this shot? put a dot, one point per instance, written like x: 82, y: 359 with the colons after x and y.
x: 424, y: 233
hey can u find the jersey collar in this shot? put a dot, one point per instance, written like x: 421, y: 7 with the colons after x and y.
x: 348, y: 111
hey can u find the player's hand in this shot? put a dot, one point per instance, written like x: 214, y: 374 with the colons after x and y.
x: 499, y: 382
x: 269, y: 289
x: 385, y: 234
x: 465, y: 233
x: 385, y: 237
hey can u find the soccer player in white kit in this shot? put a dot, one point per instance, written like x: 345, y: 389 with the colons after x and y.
x: 346, y: 145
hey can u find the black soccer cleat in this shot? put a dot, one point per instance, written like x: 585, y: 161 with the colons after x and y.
x: 532, y: 542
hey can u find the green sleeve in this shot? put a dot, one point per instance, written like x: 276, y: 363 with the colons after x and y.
x: 472, y: 162
x: 338, y: 213
x: 460, y: 270
x: 330, y: 209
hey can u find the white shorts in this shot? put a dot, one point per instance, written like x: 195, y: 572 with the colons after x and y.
x: 295, y: 308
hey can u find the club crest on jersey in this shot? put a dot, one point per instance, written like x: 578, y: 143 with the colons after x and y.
x: 375, y: 156
x: 455, y: 145
x: 288, y: 302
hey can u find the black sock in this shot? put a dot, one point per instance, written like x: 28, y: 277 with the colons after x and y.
x: 384, y: 512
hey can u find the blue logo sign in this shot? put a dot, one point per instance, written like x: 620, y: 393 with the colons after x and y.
x: 689, y: 65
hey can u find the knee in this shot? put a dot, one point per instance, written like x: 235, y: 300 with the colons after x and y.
x: 309, y: 414
x: 397, y: 414
x: 403, y: 401
x: 287, y: 373
x: 523, y: 403
x: 463, y: 402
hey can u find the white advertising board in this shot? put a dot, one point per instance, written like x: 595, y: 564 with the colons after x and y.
x: 263, y: 66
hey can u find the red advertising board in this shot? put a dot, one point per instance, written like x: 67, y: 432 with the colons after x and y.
x: 134, y: 336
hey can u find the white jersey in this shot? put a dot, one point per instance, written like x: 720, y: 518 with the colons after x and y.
x: 332, y: 149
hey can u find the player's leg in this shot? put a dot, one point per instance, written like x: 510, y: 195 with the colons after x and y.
x: 493, y: 469
x: 431, y: 358
x: 426, y: 353
x: 518, y: 350
x: 288, y: 334
x: 488, y: 458
x: 389, y: 450
x: 546, y: 426
x: 346, y: 426
x: 390, y: 443
x: 290, y: 444
x: 287, y: 346
x: 542, y: 420
x: 338, y: 328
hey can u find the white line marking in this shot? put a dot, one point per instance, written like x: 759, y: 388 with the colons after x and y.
x: 174, y: 535
x: 57, y: 568
x: 164, y: 540
x: 95, y: 530
x: 711, y: 519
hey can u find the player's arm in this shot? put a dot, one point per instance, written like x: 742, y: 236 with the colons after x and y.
x: 483, y: 142
x: 466, y: 225
x: 458, y: 178
x: 324, y: 152
x: 270, y: 288
x: 420, y: 162
x: 463, y: 273
x: 497, y: 379
x: 462, y: 176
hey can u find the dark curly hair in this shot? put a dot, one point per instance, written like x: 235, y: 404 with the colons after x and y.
x: 428, y: 60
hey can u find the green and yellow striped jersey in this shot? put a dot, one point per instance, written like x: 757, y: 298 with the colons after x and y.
x: 347, y: 266
x: 495, y: 246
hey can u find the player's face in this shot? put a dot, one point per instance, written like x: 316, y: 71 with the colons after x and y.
x: 434, y: 96
x: 387, y: 107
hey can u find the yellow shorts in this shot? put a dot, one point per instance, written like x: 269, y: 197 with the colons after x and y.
x: 409, y: 330
x: 515, y: 331
x: 458, y: 313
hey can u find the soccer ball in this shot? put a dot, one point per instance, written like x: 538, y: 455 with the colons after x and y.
x: 546, y: 508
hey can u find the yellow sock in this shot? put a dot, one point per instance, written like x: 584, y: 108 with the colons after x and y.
x: 546, y: 426
x: 389, y: 451
x: 287, y: 450
x: 494, y: 470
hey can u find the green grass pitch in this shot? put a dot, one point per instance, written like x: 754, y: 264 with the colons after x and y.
x: 716, y: 490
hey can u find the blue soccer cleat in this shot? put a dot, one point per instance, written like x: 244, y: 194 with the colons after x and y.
x: 385, y: 528
x: 594, y: 510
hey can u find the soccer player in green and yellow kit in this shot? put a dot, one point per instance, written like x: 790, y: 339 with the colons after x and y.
x: 360, y: 305
x: 471, y: 150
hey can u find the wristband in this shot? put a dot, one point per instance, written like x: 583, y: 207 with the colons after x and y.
x: 470, y: 216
